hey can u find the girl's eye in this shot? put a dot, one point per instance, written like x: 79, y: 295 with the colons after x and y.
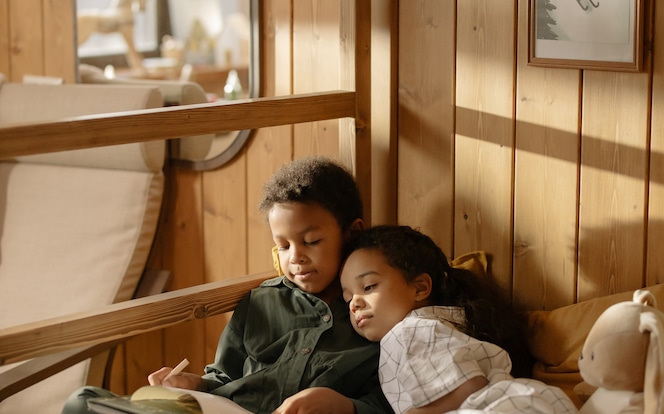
x: 369, y: 287
x: 282, y: 248
x: 312, y: 243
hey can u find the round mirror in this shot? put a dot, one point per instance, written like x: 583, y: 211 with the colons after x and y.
x: 196, y: 51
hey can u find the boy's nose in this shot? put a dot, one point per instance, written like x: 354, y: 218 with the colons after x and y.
x: 297, y: 257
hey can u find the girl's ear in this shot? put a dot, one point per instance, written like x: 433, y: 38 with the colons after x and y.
x: 422, y: 284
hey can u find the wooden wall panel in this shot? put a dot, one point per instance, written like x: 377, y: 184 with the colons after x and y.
x: 59, y: 36
x: 426, y: 119
x: 270, y: 147
x: 316, y: 56
x: 485, y: 131
x: 4, y: 39
x: 545, y: 180
x: 613, y: 171
x: 384, y: 73
x: 655, y: 258
x: 184, y: 255
x: 224, y: 212
x: 26, y: 40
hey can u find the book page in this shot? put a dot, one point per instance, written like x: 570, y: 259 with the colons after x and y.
x: 209, y: 403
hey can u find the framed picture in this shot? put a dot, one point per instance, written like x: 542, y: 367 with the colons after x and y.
x: 587, y: 34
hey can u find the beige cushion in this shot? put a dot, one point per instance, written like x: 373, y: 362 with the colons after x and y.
x: 76, y: 227
x: 174, y: 92
x: 21, y: 103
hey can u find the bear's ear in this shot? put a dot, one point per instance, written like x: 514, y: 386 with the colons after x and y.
x: 652, y: 322
x: 645, y: 297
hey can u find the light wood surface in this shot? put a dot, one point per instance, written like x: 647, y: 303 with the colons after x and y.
x: 426, y: 119
x: 484, y: 147
x: 172, y: 122
x: 5, y: 55
x: 612, y: 203
x: 126, y: 319
x: 545, y: 180
x: 654, y: 256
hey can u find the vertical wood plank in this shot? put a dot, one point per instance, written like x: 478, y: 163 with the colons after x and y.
x: 270, y: 147
x: 117, y: 382
x: 546, y: 180
x: 316, y: 51
x: 383, y: 100
x: 613, y: 170
x: 655, y: 259
x: 184, y: 256
x: 426, y: 118
x: 4, y: 38
x: 484, y: 131
x: 225, y: 236
x: 60, y: 51
x: 26, y: 34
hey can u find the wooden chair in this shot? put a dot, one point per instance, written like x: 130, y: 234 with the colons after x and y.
x: 76, y: 226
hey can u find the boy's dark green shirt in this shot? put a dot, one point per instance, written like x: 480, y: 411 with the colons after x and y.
x: 282, y: 340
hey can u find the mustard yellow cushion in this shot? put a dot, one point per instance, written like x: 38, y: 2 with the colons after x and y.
x: 556, y: 338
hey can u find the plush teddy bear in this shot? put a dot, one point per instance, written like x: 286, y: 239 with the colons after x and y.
x: 623, y: 357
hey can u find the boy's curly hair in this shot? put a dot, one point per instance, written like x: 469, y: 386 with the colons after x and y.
x: 315, y: 179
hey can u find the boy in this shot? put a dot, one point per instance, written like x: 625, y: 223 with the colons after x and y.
x: 290, y: 347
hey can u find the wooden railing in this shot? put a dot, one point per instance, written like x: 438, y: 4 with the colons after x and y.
x: 125, y: 319
x: 173, y: 122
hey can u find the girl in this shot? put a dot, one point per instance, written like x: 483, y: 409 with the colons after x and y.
x: 443, y: 331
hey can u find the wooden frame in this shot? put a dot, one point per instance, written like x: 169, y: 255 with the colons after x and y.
x: 587, y: 34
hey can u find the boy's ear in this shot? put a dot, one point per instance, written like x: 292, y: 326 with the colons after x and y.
x: 357, y: 225
x: 422, y: 284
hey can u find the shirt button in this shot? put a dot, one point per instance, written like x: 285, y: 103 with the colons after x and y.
x: 305, y: 351
x: 326, y: 318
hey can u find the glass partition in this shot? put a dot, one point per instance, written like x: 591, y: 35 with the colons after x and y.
x: 212, y: 43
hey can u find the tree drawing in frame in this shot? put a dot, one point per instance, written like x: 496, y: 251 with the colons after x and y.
x: 545, y: 21
x: 602, y: 34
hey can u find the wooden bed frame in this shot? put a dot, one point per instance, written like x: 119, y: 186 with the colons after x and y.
x: 61, y: 342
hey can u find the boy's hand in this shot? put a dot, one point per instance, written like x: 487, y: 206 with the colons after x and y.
x: 316, y: 400
x: 184, y: 380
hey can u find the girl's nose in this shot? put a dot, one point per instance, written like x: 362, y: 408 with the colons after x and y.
x: 356, y: 303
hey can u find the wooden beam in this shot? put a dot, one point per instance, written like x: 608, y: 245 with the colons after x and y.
x: 125, y: 319
x: 31, y: 372
x: 172, y: 122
